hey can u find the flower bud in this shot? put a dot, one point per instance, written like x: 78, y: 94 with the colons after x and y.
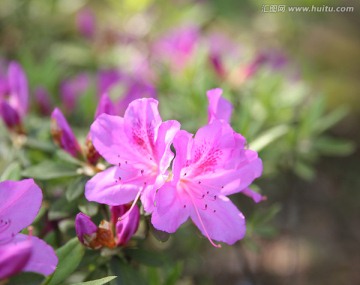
x: 85, y: 229
x: 92, y: 236
x: 63, y: 135
x: 10, y: 117
x: 126, y: 224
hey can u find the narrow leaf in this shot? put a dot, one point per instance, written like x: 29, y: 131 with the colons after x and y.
x: 268, y: 137
x: 70, y: 255
x: 47, y: 170
x: 98, y: 281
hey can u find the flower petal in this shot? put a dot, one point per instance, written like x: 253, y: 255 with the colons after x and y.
x: 20, y: 203
x: 166, y: 134
x: 43, y: 259
x: 141, y: 122
x: 171, y: 209
x: 248, y: 168
x: 219, y: 108
x: 106, y: 187
x: 222, y: 222
x: 109, y: 138
x: 14, y: 257
x: 257, y: 197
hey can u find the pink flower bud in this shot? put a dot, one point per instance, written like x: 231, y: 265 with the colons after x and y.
x: 85, y: 228
x: 63, y: 135
x: 126, y: 223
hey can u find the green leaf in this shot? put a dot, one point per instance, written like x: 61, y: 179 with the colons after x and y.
x: 12, y: 172
x: 330, y: 120
x: 75, y: 188
x: 304, y: 170
x: 39, y: 145
x: 268, y: 137
x: 334, y: 146
x: 70, y: 256
x: 47, y: 170
x: 89, y: 208
x: 98, y: 281
x: 64, y: 156
x: 174, y: 274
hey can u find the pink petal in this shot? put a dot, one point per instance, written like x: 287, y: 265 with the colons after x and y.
x: 106, y: 188
x: 43, y: 259
x: 257, y: 197
x: 166, y: 134
x: 219, y: 108
x: 182, y: 144
x: 20, y: 203
x: 84, y: 226
x: 142, y: 121
x: 110, y: 140
x: 14, y: 257
x: 220, y: 220
x: 248, y: 169
x: 171, y: 209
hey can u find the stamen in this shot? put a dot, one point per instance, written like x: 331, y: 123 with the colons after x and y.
x: 203, y: 226
x: 30, y: 230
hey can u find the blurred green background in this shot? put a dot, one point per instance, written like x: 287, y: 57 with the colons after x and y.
x: 302, y: 118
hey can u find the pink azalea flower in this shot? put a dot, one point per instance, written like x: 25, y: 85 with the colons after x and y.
x: 14, y: 97
x: 138, y: 145
x: 206, y: 169
x: 221, y: 109
x: 63, y: 135
x: 20, y: 203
